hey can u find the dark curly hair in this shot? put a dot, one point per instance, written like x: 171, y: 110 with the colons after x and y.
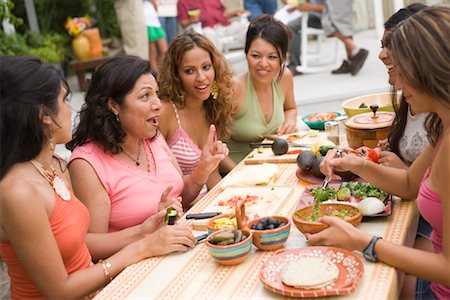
x: 273, y: 31
x: 218, y: 111
x: 113, y: 80
x: 28, y: 88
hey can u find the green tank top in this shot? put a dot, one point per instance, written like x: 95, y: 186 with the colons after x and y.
x: 248, y: 123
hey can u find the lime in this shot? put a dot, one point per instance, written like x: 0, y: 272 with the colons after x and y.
x: 324, y: 142
x: 344, y: 194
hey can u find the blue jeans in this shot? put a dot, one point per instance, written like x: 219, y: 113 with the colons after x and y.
x: 423, y: 290
x: 170, y: 25
x: 259, y: 7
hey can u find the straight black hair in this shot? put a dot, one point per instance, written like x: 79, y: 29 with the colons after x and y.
x: 28, y: 89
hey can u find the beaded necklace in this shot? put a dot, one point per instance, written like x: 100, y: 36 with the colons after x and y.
x: 55, y: 181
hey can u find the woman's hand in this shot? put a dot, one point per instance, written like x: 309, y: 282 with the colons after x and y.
x: 212, y: 154
x: 166, y: 202
x: 287, y: 127
x: 340, y: 234
x: 167, y: 239
x: 390, y: 159
x: 346, y: 162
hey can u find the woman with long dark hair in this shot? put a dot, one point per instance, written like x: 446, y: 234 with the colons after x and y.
x: 43, y: 224
x: 420, y: 51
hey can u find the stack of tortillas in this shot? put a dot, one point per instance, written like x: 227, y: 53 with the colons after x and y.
x: 309, y: 273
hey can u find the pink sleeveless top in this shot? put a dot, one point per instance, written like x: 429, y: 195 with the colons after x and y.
x: 134, y: 194
x: 69, y: 223
x: 185, y: 150
x: 430, y: 207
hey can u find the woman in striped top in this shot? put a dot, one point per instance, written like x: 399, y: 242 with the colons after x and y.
x: 195, y: 88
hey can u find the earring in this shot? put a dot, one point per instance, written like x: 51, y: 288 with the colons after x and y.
x: 214, y: 90
x: 51, y: 143
x: 182, y: 97
x: 117, y: 118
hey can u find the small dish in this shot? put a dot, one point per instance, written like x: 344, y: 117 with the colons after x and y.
x: 319, y: 125
x: 350, y: 267
x: 270, y: 239
x: 305, y: 226
x: 233, y: 254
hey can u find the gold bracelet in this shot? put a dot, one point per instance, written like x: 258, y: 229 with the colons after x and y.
x: 106, y: 269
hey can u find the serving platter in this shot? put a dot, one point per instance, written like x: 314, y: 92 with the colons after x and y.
x: 349, y: 264
x: 307, y: 199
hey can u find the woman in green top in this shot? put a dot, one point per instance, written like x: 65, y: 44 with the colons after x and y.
x: 264, y: 96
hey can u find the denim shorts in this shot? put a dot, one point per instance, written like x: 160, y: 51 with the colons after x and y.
x: 423, y: 290
x: 424, y: 228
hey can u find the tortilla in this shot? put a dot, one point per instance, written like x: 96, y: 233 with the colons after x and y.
x: 309, y: 273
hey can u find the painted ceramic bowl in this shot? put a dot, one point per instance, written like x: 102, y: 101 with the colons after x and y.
x: 317, y: 120
x: 232, y: 254
x: 270, y: 239
x: 346, y: 212
x: 221, y: 222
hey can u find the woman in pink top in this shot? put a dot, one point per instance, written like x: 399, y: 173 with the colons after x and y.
x: 421, y: 54
x: 121, y: 168
x: 43, y: 226
x: 195, y: 87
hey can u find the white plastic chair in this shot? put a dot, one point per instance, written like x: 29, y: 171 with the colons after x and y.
x: 306, y: 55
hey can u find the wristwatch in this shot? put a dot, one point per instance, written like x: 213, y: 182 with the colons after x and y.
x: 369, y: 252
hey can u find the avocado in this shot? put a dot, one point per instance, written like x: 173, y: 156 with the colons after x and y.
x: 280, y: 146
x: 346, y: 175
x: 305, y: 160
x: 316, y: 168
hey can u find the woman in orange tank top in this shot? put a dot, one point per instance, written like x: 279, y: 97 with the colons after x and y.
x: 43, y: 226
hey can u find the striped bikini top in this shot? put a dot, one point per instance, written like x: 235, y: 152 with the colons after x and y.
x: 185, y: 150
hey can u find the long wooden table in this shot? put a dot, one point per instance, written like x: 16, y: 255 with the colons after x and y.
x: 196, y: 274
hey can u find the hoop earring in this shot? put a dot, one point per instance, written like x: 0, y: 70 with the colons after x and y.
x: 182, y: 97
x: 214, y: 90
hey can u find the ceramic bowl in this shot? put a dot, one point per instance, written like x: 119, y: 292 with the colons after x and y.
x: 270, y: 239
x: 231, y: 254
x: 210, y: 224
x: 299, y: 217
x: 383, y: 100
x: 319, y: 125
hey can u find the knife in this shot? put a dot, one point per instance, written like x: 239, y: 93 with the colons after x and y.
x: 269, y: 145
x: 200, y: 216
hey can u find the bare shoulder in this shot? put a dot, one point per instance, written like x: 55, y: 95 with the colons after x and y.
x: 17, y: 194
x: 240, y: 85
x: 286, y: 81
x: 167, y: 119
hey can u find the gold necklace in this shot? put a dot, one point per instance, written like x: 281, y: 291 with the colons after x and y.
x: 55, y: 181
x: 136, y: 161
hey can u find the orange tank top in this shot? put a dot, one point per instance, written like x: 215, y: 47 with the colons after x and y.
x: 69, y: 222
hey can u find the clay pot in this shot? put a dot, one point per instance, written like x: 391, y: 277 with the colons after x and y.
x: 81, y: 47
x: 368, y: 128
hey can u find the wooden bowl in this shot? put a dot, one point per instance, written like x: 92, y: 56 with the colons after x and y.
x: 299, y: 217
x: 270, y: 239
x: 233, y: 254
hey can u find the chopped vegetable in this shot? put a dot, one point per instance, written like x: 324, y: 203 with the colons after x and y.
x: 322, y: 116
x: 363, y: 105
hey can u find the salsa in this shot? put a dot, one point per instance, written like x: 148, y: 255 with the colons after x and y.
x: 343, y: 214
